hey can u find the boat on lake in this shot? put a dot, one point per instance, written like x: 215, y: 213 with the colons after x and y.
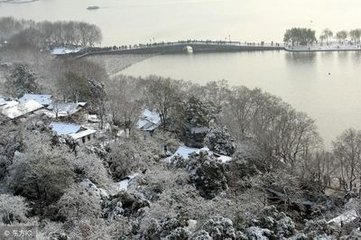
x: 92, y: 7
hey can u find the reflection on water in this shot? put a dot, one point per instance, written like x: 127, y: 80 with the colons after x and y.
x: 344, y: 55
x: 300, y: 58
x: 324, y: 85
x: 356, y: 58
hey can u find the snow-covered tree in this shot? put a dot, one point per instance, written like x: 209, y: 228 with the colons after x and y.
x: 77, y: 203
x: 220, y: 141
x: 21, y: 80
x: 13, y: 209
x: 208, y: 175
x: 219, y: 228
x: 90, y: 166
x: 134, y: 154
x: 11, y: 141
x: 198, y: 113
x: 42, y: 175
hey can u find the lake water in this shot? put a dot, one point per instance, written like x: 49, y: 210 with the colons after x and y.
x: 327, y: 86
x: 302, y: 80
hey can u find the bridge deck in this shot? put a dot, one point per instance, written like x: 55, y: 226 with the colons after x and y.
x: 180, y: 47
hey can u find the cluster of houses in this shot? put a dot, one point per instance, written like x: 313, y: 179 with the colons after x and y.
x: 70, y: 120
x: 57, y: 112
x: 65, y: 119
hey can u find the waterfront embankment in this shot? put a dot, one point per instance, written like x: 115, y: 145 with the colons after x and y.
x: 113, y: 64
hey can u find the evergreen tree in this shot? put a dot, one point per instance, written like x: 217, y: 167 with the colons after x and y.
x: 21, y: 80
x: 220, y: 141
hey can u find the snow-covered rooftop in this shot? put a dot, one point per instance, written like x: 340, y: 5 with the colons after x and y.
x: 93, y: 118
x: 61, y: 51
x: 64, y: 128
x: 14, y: 109
x: 42, y: 99
x: 196, y: 130
x: 83, y: 133
x: 149, y: 120
x: 63, y: 109
x: 185, y: 152
x: 346, y: 217
x: 73, y: 130
x: 10, y: 103
x: 224, y: 159
x: 151, y: 116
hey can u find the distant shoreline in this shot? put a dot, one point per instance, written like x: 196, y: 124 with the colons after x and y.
x: 18, y: 1
x: 325, y: 47
x: 321, y: 50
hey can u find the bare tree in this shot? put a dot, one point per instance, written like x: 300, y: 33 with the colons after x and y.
x: 319, y: 170
x: 341, y: 35
x: 328, y: 34
x: 297, y: 136
x: 239, y: 110
x: 355, y: 35
x: 80, y: 80
x: 124, y: 101
x: 279, y: 132
x: 49, y: 34
x: 215, y: 92
x: 164, y: 94
x: 71, y: 36
x: 347, y: 150
x: 89, y: 34
x: 9, y: 26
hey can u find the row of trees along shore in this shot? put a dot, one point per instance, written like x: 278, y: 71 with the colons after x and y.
x: 44, y: 34
x: 306, y: 36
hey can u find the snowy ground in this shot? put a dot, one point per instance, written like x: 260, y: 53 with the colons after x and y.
x: 123, y: 185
